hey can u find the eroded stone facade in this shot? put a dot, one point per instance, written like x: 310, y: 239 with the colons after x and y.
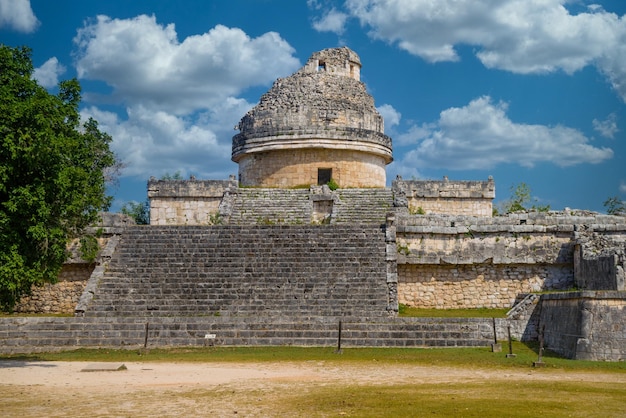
x: 187, y: 202
x: 477, y: 285
x: 60, y: 297
x: 468, y: 262
x: 445, y: 197
x: 319, y: 118
x: 586, y: 325
x: 284, y: 168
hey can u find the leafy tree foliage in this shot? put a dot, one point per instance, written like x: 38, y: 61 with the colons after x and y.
x: 615, y: 206
x: 140, y: 212
x: 52, y: 175
x: 176, y: 176
x: 520, y: 200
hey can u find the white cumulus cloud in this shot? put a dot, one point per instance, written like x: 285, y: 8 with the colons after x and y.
x: 152, y: 143
x: 515, y: 35
x: 390, y: 115
x: 332, y: 21
x: 181, y: 96
x: 48, y: 74
x: 18, y: 15
x: 480, y: 135
x: 608, y: 127
x: 145, y: 62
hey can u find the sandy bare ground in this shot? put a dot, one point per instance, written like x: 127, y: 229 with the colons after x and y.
x: 214, y: 389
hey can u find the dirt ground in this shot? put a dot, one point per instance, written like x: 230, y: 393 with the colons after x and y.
x: 213, y: 389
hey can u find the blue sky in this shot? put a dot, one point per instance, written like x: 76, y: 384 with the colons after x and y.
x: 524, y: 91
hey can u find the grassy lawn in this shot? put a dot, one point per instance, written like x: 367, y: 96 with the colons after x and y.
x: 409, y: 311
x: 484, y: 399
x: 526, y: 354
x: 554, y: 394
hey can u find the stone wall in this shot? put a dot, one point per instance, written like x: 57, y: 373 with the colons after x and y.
x: 468, y: 262
x: 288, y: 168
x: 337, y: 61
x: 429, y: 197
x: 588, y: 325
x: 477, y: 285
x: 60, y: 297
x: 600, y: 257
x: 182, y: 202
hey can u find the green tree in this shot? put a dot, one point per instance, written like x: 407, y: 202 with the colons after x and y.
x: 176, y: 176
x: 140, y: 212
x: 53, y: 174
x: 520, y: 199
x: 615, y: 206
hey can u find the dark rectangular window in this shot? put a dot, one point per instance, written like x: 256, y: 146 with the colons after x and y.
x: 324, y: 175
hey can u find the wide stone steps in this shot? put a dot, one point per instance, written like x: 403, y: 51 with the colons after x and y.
x: 24, y: 335
x: 245, y: 270
x: 364, y: 205
x: 271, y: 207
x: 294, y: 206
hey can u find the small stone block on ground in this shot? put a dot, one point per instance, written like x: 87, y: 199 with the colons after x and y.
x: 104, y: 367
x: 496, y: 348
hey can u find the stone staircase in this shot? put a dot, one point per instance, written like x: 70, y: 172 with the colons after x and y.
x: 242, y: 285
x: 295, y: 206
x: 37, y: 334
x: 361, y: 205
x: 246, y: 271
x: 271, y: 207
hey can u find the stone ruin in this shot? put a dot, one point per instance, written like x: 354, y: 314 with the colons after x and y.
x: 276, y: 257
x: 316, y: 125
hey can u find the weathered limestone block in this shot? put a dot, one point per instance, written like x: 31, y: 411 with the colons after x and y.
x: 600, y: 256
x: 587, y: 325
x: 57, y: 298
x: 476, y: 286
x: 187, y: 202
x: 473, y: 198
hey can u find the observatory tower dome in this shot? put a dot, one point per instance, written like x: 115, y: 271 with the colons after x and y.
x: 318, y: 124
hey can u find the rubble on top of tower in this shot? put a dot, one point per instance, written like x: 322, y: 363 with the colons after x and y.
x: 327, y: 85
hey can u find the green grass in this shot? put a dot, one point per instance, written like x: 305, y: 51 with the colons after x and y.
x: 26, y: 315
x: 410, y: 311
x: 526, y: 354
x: 548, y: 392
x: 474, y: 399
x: 484, y: 399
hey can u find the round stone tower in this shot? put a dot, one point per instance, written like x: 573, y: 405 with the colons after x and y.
x: 316, y: 125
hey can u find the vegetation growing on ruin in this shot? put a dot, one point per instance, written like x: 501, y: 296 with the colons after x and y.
x: 615, y: 206
x: 521, y: 200
x: 139, y: 211
x: 416, y: 210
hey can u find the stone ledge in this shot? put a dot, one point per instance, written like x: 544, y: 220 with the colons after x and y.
x: 586, y: 294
